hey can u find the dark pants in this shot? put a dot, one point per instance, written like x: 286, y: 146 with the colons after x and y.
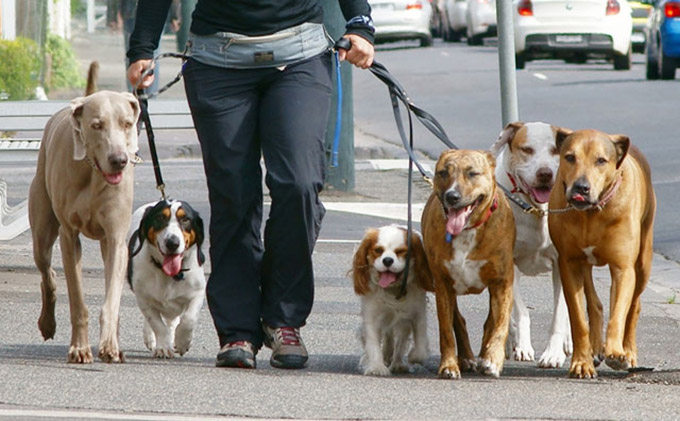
x: 241, y: 115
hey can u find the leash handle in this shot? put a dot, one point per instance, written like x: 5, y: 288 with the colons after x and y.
x: 144, y: 118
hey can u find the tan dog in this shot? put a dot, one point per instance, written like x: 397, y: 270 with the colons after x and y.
x: 84, y: 185
x: 608, y: 184
x: 469, y: 233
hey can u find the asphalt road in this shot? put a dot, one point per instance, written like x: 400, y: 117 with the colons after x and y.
x: 37, y: 383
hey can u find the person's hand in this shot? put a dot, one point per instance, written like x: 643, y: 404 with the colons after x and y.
x: 360, y: 53
x: 134, y: 73
x: 175, y: 24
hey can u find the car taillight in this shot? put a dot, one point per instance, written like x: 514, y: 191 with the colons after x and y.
x: 415, y: 5
x: 672, y: 10
x: 613, y: 7
x: 525, y: 8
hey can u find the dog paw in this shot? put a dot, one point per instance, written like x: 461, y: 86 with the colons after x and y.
x: 399, y: 368
x: 417, y: 356
x: 47, y: 326
x: 160, y: 352
x: 523, y: 353
x: 582, y: 370
x: 182, y: 349
x: 449, y: 373
x: 110, y: 355
x: 80, y: 355
x: 488, y: 368
x: 377, y: 370
x: 597, y: 359
x: 552, y: 358
x: 620, y: 362
x: 467, y: 365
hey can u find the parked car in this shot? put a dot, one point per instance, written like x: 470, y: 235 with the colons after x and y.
x: 663, y: 40
x: 397, y: 20
x: 574, y: 31
x: 480, y: 19
x: 640, y: 15
x: 454, y: 23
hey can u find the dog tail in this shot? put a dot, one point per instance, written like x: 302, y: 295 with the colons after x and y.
x: 92, y: 77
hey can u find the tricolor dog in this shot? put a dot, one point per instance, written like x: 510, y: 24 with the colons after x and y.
x: 602, y: 213
x: 165, y: 272
x: 388, y: 320
x: 469, y: 235
x: 527, y: 160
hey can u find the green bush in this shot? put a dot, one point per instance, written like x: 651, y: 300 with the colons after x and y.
x: 19, y: 69
x: 64, y: 72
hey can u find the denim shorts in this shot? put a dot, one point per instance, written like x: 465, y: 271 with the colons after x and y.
x: 236, y: 51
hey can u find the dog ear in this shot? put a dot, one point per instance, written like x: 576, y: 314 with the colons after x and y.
x: 561, y: 134
x: 200, y: 236
x: 79, y: 149
x: 490, y: 159
x: 136, y: 110
x: 622, y: 144
x: 505, y: 137
x: 361, y: 266
x: 422, y: 267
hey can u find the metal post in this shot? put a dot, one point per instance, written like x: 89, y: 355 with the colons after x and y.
x: 342, y: 176
x: 506, y: 59
x: 90, y: 17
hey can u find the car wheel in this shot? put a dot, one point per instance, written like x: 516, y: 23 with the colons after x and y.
x: 652, y: 61
x: 475, y: 40
x: 426, y: 41
x: 451, y: 36
x: 623, y: 62
x: 666, y: 66
x: 520, y: 61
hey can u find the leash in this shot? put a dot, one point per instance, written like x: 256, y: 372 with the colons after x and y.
x: 143, y: 99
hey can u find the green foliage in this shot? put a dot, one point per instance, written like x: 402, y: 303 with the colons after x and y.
x: 78, y: 8
x: 19, y: 68
x: 64, y: 72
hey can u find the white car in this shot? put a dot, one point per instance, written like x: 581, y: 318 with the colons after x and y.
x: 573, y: 30
x: 454, y: 23
x: 480, y: 20
x: 397, y: 20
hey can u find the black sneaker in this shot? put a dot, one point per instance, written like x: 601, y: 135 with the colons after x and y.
x: 239, y: 354
x: 288, y: 350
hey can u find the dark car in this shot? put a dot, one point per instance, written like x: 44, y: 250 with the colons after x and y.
x: 663, y: 39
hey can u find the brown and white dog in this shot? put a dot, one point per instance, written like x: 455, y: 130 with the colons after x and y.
x: 527, y: 161
x: 605, y: 182
x: 84, y: 185
x: 387, y: 321
x: 469, y: 235
x: 165, y: 271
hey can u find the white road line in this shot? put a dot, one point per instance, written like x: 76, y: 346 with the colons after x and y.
x: 540, y: 76
x: 35, y: 413
x: 397, y: 211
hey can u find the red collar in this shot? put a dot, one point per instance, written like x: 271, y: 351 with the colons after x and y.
x: 489, y: 211
x: 515, y: 187
x: 609, y: 194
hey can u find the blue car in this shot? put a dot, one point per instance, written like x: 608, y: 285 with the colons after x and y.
x: 663, y: 39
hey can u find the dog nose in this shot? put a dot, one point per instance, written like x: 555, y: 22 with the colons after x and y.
x: 387, y: 261
x: 581, y: 186
x: 452, y: 197
x: 171, y: 243
x: 544, y: 175
x: 118, y: 161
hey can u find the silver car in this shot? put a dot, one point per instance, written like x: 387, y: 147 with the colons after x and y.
x: 397, y: 20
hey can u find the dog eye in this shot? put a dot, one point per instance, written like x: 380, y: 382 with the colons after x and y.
x: 570, y: 158
x: 128, y: 125
x: 185, y: 221
x: 554, y: 151
x: 378, y: 250
x: 443, y: 174
x: 527, y: 150
x: 601, y: 161
x: 473, y: 174
x: 97, y: 125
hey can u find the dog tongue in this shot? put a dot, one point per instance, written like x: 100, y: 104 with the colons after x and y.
x: 172, y: 264
x: 578, y: 198
x: 114, y: 178
x: 541, y: 194
x: 456, y: 221
x: 387, y: 278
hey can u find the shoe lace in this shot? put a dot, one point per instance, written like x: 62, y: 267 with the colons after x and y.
x: 288, y: 336
x: 239, y: 344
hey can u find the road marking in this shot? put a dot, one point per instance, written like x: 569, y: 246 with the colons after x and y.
x: 540, y: 76
x: 34, y: 413
x: 398, y: 211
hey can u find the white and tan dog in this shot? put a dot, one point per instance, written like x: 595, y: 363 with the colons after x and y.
x: 469, y: 235
x: 388, y: 322
x: 605, y: 185
x: 165, y: 271
x: 83, y: 185
x: 527, y: 165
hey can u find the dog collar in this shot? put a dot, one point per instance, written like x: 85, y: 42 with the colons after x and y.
x: 515, y: 187
x: 178, y: 277
x: 609, y: 194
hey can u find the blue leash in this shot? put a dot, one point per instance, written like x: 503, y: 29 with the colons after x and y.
x: 338, y: 119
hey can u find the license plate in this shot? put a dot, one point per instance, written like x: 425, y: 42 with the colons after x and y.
x: 568, y: 39
x: 637, y: 37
